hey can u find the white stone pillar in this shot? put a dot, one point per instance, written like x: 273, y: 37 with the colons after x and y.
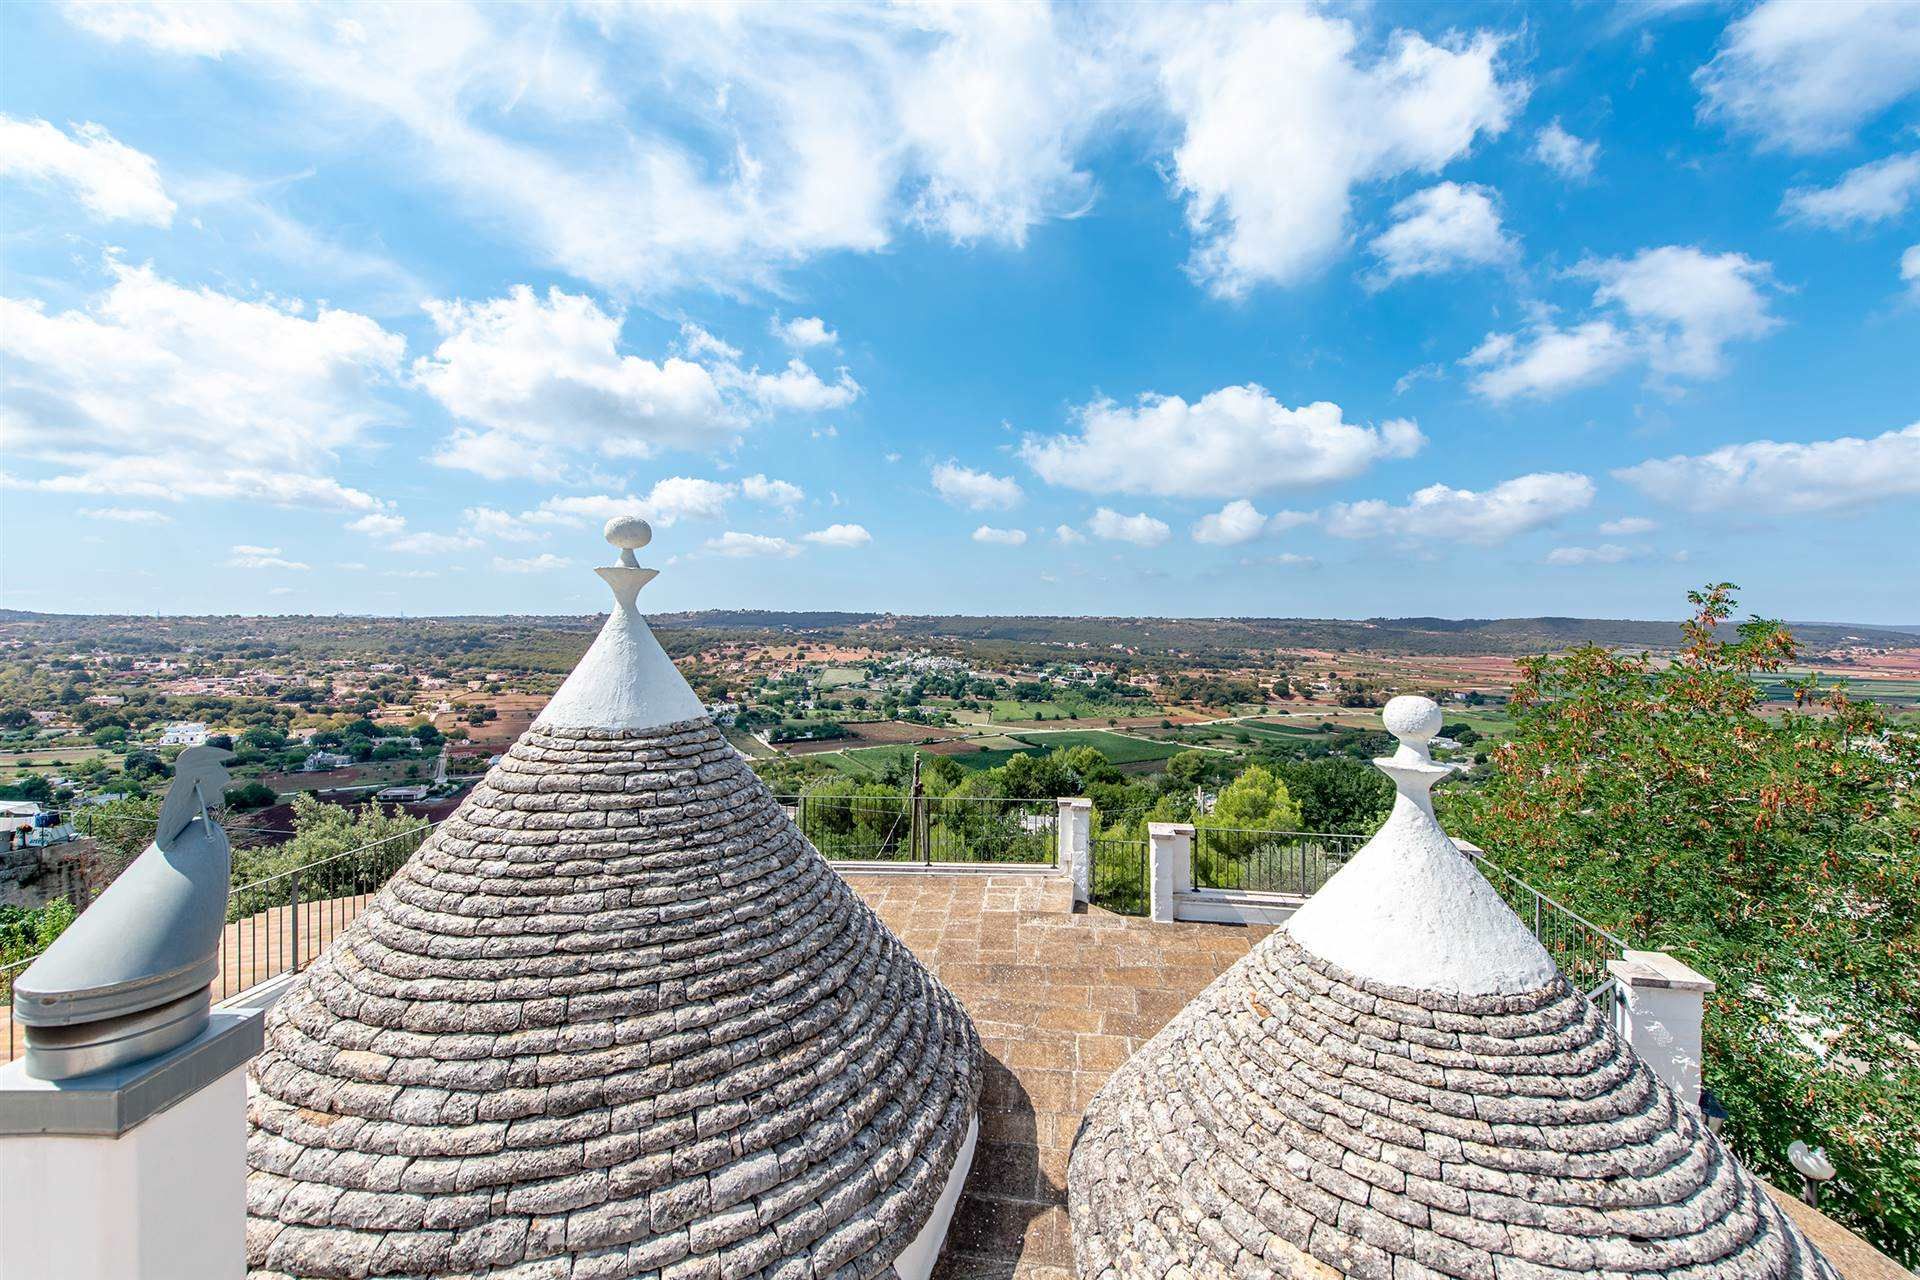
x: 1663, y: 1003
x: 1076, y: 852
x: 1169, y: 865
x: 138, y: 1170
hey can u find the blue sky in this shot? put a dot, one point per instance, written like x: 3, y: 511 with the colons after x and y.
x: 1330, y: 311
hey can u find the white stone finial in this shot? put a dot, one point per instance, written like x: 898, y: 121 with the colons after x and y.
x: 1409, y: 909
x: 629, y: 533
x: 1415, y: 721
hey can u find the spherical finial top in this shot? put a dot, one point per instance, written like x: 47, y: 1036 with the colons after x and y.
x: 1412, y: 719
x: 629, y: 533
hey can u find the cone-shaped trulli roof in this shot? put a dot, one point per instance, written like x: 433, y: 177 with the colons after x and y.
x: 1399, y: 1086
x: 615, y: 1018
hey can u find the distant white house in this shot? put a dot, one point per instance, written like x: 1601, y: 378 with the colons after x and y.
x: 184, y: 733
x: 321, y: 761
x: 402, y: 795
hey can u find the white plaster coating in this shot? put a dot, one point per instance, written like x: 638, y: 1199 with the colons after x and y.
x: 916, y: 1260
x: 166, y: 1200
x: 1410, y: 909
x: 626, y: 680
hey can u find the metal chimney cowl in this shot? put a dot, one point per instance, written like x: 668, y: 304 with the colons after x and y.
x: 131, y: 978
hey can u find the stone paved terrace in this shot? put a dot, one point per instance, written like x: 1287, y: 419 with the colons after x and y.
x: 1061, y: 999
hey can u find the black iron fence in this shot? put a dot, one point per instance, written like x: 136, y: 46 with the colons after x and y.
x: 1290, y: 862
x: 1119, y: 874
x: 928, y: 830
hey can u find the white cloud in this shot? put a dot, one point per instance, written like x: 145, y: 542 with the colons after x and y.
x: 670, y: 500
x: 1239, y: 521
x: 1229, y: 442
x: 1687, y: 305
x: 975, y: 490
x: 804, y: 332
x: 1549, y: 362
x: 112, y: 181
x: 422, y: 543
x: 1068, y: 536
x: 698, y: 342
x: 243, y: 556
x: 1674, y: 309
x: 1000, y: 537
x: 674, y: 499
x: 393, y: 531
x: 795, y: 389
x: 1441, y: 229
x: 1910, y: 270
x: 1568, y: 156
x: 1627, y: 526
x: 490, y: 522
x: 1765, y: 478
x: 1142, y: 530
x: 1279, y: 560
x: 126, y: 515
x: 1865, y: 195
x: 1282, y: 114
x: 1805, y: 76
x: 840, y: 535
x: 647, y: 148
x: 378, y: 525
x: 1490, y: 516
x: 157, y: 391
x: 534, y: 378
x: 1606, y: 553
x: 779, y: 493
x: 550, y: 372
x: 742, y: 545
x: 545, y: 562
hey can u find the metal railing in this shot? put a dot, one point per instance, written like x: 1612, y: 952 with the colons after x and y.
x: 278, y: 923
x: 1289, y: 862
x: 928, y: 830
x: 1299, y: 863
x: 1119, y: 874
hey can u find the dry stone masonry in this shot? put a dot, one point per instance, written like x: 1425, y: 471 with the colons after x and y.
x: 616, y: 1018
x: 1301, y: 1119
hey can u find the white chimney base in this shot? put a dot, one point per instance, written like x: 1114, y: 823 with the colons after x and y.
x: 138, y: 1171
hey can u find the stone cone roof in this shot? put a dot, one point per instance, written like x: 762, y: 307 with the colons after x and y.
x: 1299, y: 1119
x: 617, y: 1017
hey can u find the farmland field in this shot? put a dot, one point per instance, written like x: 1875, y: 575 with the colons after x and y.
x: 1116, y: 747
x: 840, y: 677
x: 50, y: 759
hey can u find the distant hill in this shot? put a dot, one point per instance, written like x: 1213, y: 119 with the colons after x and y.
x: 553, y: 642
x: 1447, y: 636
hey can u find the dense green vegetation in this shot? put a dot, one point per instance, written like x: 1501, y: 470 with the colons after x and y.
x: 1779, y: 855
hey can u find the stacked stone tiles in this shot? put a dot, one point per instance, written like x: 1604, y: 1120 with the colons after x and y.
x: 615, y: 1018
x: 1296, y: 1121
x: 1300, y: 1120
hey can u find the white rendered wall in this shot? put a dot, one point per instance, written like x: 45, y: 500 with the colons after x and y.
x: 916, y: 1260
x: 166, y: 1200
x: 1662, y: 1017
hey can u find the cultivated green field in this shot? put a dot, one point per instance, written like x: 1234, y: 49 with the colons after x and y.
x: 1116, y: 747
x: 840, y: 677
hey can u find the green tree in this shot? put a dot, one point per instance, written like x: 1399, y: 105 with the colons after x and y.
x: 251, y: 795
x: 1337, y: 793
x: 1776, y: 852
x: 337, y: 849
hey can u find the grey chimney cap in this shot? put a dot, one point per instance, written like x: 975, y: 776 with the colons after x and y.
x: 129, y: 978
